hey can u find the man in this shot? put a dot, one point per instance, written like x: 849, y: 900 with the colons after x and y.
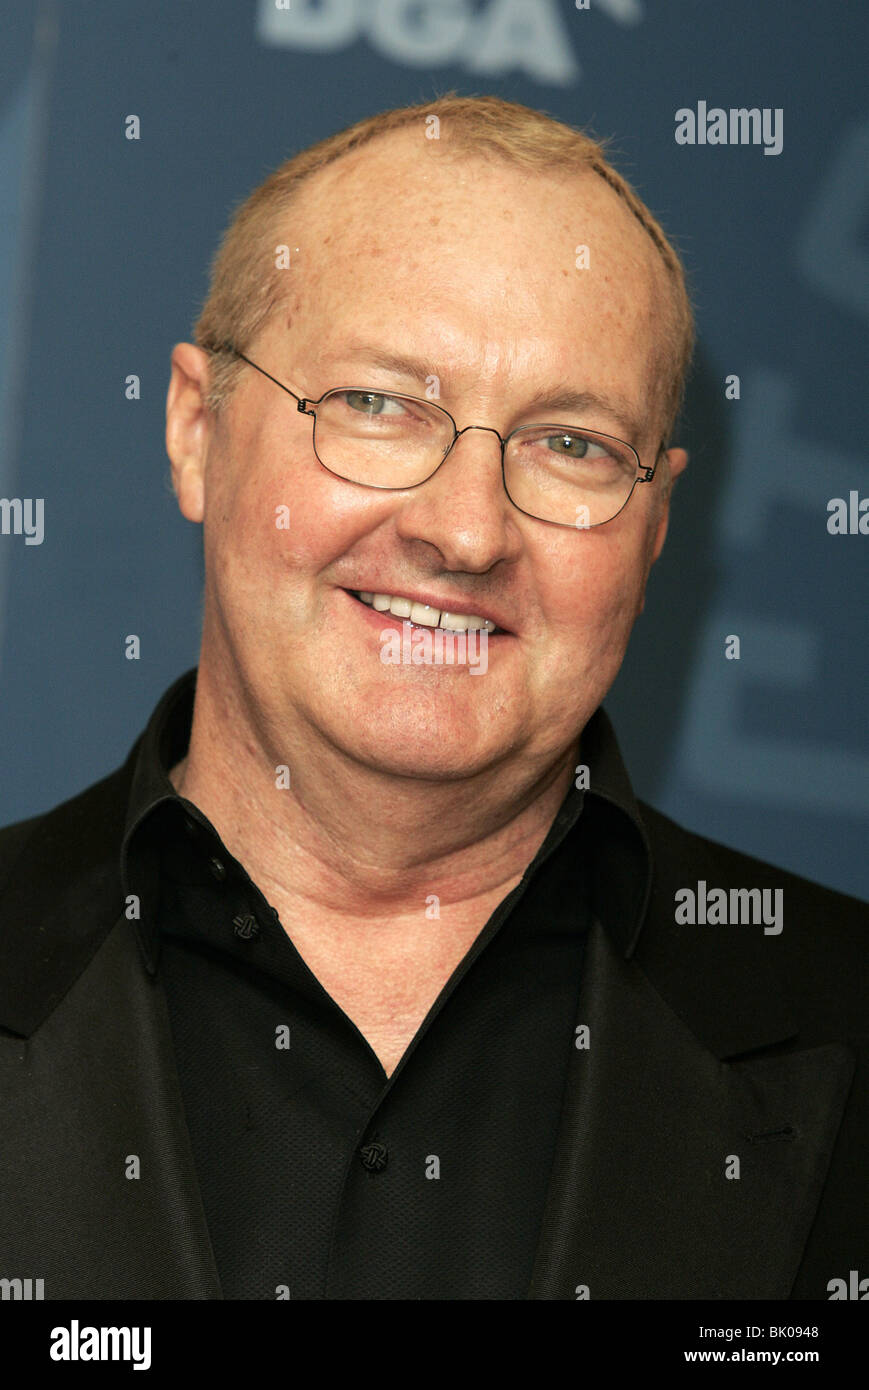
x: 366, y: 976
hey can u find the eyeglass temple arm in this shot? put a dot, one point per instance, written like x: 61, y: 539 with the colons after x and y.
x: 649, y: 473
x: 302, y: 404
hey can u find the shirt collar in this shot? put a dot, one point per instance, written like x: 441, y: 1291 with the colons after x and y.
x: 612, y: 833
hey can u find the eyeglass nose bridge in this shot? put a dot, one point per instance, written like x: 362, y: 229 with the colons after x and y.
x: 487, y: 429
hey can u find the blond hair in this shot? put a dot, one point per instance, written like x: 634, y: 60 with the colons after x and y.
x: 241, y: 298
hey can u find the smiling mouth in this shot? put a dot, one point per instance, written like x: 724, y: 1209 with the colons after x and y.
x: 424, y: 614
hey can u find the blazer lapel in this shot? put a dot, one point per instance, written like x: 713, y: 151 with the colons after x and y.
x: 96, y: 1157
x: 640, y: 1204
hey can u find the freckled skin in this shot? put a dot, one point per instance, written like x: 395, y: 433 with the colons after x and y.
x: 415, y: 769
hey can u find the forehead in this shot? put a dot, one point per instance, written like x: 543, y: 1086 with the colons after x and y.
x: 484, y: 265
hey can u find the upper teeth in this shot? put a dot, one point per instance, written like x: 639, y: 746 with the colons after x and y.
x: 422, y: 613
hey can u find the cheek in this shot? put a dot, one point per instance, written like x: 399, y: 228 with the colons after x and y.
x: 593, y: 598
x: 314, y: 519
x: 272, y: 515
x: 262, y: 498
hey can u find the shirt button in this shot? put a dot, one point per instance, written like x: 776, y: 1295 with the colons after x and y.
x: 218, y: 869
x: 374, y: 1157
x: 245, y: 926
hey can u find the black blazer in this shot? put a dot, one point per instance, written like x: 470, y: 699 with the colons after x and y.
x: 705, y: 1043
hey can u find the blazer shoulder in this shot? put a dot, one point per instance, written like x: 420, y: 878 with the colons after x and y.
x: 12, y: 840
x: 818, y: 920
x: 60, y: 894
x: 814, y: 966
x: 71, y: 832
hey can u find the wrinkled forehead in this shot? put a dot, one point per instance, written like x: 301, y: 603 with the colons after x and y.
x: 397, y: 236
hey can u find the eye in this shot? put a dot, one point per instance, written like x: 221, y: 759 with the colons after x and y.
x: 575, y: 446
x: 577, y: 452
x: 372, y: 403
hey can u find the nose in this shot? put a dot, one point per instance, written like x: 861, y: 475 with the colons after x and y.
x: 463, y: 509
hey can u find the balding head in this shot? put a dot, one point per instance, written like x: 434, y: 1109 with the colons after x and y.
x: 247, y: 286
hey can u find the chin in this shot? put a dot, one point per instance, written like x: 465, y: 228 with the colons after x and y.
x: 436, y: 764
x: 412, y: 739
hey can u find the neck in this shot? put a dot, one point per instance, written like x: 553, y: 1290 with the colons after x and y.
x: 316, y: 845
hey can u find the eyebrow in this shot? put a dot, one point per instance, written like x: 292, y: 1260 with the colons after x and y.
x: 557, y: 398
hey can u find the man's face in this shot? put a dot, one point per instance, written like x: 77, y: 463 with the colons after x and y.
x: 469, y: 269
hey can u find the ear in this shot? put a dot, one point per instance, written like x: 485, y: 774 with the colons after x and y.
x: 674, y: 461
x: 188, y: 427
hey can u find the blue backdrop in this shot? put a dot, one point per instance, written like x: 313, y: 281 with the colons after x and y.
x: 105, y: 245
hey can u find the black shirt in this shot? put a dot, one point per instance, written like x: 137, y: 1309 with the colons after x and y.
x: 321, y: 1177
